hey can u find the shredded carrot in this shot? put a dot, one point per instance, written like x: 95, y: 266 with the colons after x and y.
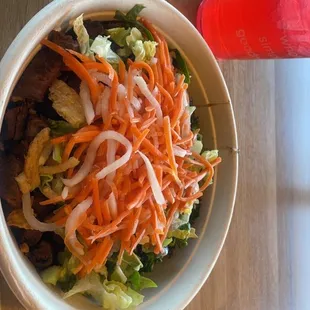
x: 61, y: 139
x: 137, y: 215
x: 80, y: 56
x: 140, y: 65
x: 76, y: 67
x: 54, y: 200
x: 122, y: 71
x: 96, y: 201
x: 168, y: 139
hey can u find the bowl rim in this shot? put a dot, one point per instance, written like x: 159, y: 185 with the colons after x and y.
x: 7, y: 83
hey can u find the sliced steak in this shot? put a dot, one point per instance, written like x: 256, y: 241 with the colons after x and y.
x: 31, y: 237
x: 41, y: 255
x: 43, y: 69
x: 94, y: 28
x: 34, y: 125
x: 10, y: 167
x: 64, y: 40
x: 14, y: 122
x: 39, y: 75
x: 72, y: 80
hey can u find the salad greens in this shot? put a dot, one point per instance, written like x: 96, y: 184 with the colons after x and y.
x: 130, y: 20
x: 117, y: 281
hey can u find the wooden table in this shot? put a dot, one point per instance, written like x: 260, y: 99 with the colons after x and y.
x: 265, y: 261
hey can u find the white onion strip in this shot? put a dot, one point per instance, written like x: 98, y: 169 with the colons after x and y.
x: 72, y: 225
x: 104, y: 103
x: 91, y: 156
x: 65, y: 193
x: 86, y: 102
x: 146, y: 92
x: 31, y: 219
x: 158, y: 195
x: 111, y: 152
x: 178, y: 151
x: 112, y: 206
x: 101, y: 77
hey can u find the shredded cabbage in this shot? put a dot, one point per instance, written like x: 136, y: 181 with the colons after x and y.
x: 119, y: 35
x: 82, y: 35
x: 102, y: 47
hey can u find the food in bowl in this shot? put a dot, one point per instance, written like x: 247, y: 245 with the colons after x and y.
x: 103, y: 160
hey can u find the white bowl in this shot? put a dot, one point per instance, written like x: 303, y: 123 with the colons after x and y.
x: 180, y: 277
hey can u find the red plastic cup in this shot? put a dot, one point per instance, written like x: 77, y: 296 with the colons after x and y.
x: 244, y: 29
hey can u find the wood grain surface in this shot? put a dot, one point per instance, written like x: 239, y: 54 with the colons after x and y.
x: 265, y: 261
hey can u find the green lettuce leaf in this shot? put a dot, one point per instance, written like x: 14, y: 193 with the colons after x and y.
x: 60, y: 128
x: 52, y: 275
x: 134, y: 36
x: 119, y: 35
x: 118, y: 275
x: 181, y: 64
x: 183, y: 234
x: 139, y: 282
x: 57, y: 153
x: 197, y: 146
x: 82, y: 35
x: 210, y: 155
x: 90, y: 284
x: 144, y: 51
x: 102, y: 47
x: 131, y: 20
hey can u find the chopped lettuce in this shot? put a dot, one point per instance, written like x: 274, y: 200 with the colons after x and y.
x: 57, y: 153
x: 119, y: 35
x: 102, y: 47
x: 210, y: 155
x: 139, y: 282
x: 150, y: 49
x: 183, y: 234
x: 143, y: 51
x: 132, y: 261
x: 60, y: 128
x: 52, y: 274
x: 131, y: 20
x: 118, y: 275
x: 197, y: 147
x: 82, y: 35
x: 181, y: 65
x: 111, y: 294
x: 134, y: 36
x: 118, y: 296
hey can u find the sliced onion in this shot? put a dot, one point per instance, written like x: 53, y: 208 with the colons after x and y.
x: 86, y: 102
x: 156, y: 141
x: 91, y: 155
x: 104, y: 103
x: 158, y: 195
x: 121, y: 161
x: 111, y: 152
x: 185, y: 99
x: 146, y: 92
x: 101, y: 77
x: 31, y: 219
x: 136, y: 103
x: 121, y: 92
x: 178, y: 151
x: 154, y: 61
x: 112, y: 206
x: 73, y: 223
x: 155, y: 91
x: 65, y: 193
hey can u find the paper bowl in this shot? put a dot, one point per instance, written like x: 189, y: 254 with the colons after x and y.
x: 180, y: 277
